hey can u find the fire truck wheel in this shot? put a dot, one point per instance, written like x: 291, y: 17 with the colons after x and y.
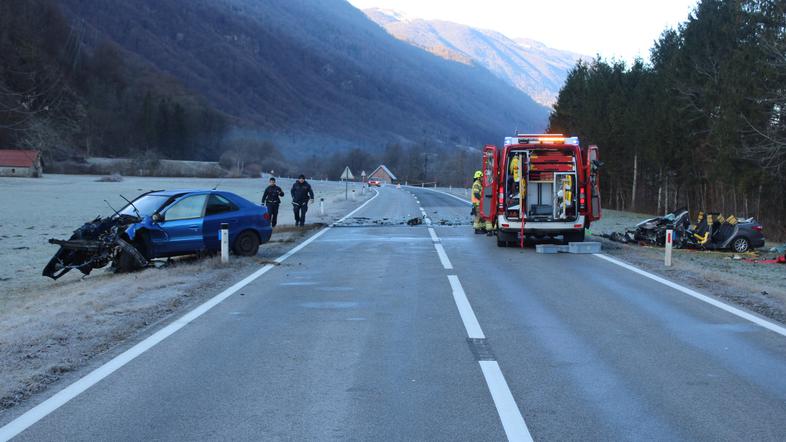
x: 503, y: 239
x: 573, y: 236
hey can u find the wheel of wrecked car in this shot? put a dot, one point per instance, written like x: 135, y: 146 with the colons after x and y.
x: 741, y: 245
x: 247, y: 244
x: 129, y: 258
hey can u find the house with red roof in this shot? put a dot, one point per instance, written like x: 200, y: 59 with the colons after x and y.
x: 21, y: 163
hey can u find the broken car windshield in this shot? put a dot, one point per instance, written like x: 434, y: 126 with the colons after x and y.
x: 147, y: 205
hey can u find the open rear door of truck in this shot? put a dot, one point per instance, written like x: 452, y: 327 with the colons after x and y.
x: 593, y: 183
x: 488, y: 206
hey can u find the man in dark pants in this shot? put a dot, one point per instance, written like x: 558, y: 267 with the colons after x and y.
x: 301, y: 194
x: 272, y: 199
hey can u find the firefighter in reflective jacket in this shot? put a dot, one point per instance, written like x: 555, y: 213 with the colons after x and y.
x: 477, y: 191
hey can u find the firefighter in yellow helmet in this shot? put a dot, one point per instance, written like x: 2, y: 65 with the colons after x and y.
x: 477, y: 193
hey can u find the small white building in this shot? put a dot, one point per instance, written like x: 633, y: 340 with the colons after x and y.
x: 21, y: 163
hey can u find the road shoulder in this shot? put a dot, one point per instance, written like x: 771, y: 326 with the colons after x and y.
x: 53, y: 336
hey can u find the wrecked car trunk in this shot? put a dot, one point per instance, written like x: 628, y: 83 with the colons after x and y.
x: 94, y: 245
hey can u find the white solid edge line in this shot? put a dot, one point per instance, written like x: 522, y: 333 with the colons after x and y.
x: 40, y: 411
x: 433, y: 234
x: 443, y: 257
x: 509, y: 413
x: 693, y: 293
x: 465, y: 310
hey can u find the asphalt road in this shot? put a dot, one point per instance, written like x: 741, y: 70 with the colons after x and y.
x: 381, y: 331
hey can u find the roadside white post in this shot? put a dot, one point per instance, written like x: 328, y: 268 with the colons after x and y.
x: 322, y: 206
x: 669, y: 241
x: 353, y: 194
x: 224, y: 237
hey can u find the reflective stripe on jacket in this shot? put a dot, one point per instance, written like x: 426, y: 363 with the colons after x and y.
x: 477, y: 192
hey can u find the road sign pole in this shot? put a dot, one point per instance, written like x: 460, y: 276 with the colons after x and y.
x: 669, y: 241
x: 346, y: 175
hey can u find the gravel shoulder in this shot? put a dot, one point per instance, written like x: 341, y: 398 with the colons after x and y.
x: 50, y: 330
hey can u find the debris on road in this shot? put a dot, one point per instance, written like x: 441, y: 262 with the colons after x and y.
x: 415, y: 222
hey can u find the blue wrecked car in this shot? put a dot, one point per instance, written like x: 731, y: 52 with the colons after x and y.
x: 162, y: 224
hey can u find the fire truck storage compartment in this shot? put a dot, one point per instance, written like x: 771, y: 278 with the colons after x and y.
x: 546, y: 198
x: 552, y: 185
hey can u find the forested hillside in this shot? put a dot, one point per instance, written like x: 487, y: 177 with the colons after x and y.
x: 311, y: 75
x: 702, y: 126
x: 69, y: 100
x: 199, y: 79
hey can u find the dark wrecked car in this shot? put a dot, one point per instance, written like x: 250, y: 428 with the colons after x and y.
x: 711, y: 232
x: 162, y: 224
x: 653, y: 230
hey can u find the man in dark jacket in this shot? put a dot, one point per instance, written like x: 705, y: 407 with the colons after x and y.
x: 301, y: 194
x: 272, y: 199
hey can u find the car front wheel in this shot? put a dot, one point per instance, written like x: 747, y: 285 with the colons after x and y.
x: 129, y: 258
x: 741, y: 245
x: 247, y: 244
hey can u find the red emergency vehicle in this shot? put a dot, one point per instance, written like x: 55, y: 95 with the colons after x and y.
x: 543, y: 185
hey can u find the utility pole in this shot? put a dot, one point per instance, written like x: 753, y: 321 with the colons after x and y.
x: 425, y: 167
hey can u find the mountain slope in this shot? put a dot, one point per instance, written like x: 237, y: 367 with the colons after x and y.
x: 527, y: 64
x: 312, y: 73
x: 68, y: 102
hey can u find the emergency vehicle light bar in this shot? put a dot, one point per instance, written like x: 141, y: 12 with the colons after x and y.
x: 541, y: 139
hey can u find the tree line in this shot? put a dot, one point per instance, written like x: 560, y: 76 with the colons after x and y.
x: 702, y: 125
x: 70, y: 99
x: 415, y: 164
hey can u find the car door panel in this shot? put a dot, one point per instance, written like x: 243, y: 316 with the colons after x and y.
x: 227, y: 212
x: 182, y: 226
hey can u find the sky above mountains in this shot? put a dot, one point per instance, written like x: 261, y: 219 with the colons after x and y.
x: 623, y: 29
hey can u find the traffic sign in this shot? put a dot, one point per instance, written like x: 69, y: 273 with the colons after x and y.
x: 347, y: 174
